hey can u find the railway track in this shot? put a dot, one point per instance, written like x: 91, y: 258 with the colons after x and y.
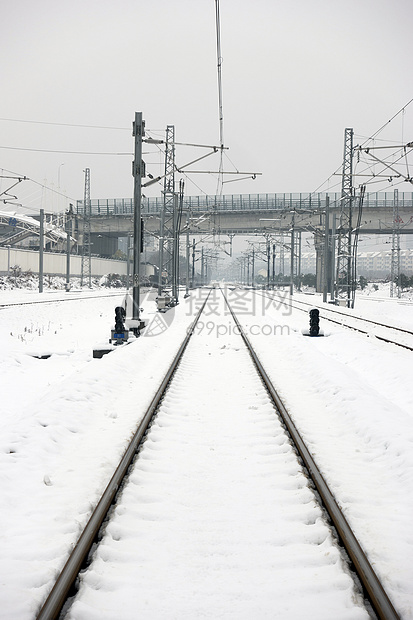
x: 67, y: 297
x: 215, y: 508
x: 381, y: 331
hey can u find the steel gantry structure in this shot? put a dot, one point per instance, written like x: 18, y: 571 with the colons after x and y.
x: 86, y: 245
x: 395, y: 249
x: 343, y: 283
x: 168, y: 226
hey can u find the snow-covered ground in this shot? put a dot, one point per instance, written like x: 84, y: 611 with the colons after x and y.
x: 351, y: 396
x: 66, y: 421
x: 217, y: 519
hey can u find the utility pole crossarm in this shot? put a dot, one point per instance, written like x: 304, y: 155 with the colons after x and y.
x: 397, y: 173
x: 180, y: 168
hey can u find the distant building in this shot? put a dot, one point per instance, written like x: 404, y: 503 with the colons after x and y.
x: 369, y: 264
x: 308, y: 262
x: 378, y: 264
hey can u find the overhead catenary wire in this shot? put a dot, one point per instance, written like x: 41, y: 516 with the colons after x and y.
x: 402, y: 110
x: 19, y: 120
x: 42, y: 185
x: 81, y: 125
x: 388, y: 164
x: 372, y: 137
x: 18, y: 148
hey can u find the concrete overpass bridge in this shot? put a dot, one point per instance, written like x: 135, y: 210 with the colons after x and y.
x: 241, y: 214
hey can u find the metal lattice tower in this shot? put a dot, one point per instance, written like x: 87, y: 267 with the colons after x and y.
x: 179, y: 202
x: 282, y: 256
x: 86, y: 247
x: 344, y: 286
x: 395, y: 249
x: 168, y: 216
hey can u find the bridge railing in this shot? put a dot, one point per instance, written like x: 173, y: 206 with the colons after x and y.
x: 243, y: 202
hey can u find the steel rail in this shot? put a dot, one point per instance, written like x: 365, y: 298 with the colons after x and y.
x: 59, y: 593
x: 356, y: 329
x: 358, y: 318
x: 54, y: 301
x: 362, y: 331
x: 374, y: 589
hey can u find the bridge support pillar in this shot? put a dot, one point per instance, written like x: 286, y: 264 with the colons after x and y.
x: 320, y: 262
x: 104, y: 245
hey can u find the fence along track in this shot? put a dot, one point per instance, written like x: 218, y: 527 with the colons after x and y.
x: 58, y: 595
x: 370, y: 582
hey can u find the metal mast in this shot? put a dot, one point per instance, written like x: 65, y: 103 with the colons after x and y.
x: 179, y: 203
x: 168, y: 218
x: 220, y: 106
x: 292, y: 254
x: 344, y: 288
x: 138, y: 172
x: 86, y: 248
x: 282, y: 255
x: 395, y: 249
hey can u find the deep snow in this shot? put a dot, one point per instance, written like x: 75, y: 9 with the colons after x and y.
x: 217, y: 519
x: 351, y: 396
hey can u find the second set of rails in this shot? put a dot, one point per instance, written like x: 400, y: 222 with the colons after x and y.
x: 202, y: 363
x: 390, y: 334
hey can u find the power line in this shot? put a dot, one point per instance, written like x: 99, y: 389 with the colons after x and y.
x: 389, y: 121
x: 50, y: 189
x: 84, y: 126
x: 42, y: 185
x: 366, y: 140
x: 18, y: 120
x: 17, y: 148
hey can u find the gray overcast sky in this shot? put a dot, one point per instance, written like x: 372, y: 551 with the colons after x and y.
x: 295, y: 74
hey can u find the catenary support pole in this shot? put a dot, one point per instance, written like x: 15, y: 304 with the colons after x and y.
x: 187, y: 262
x: 193, y: 264
x: 67, y: 261
x: 273, y: 265
x: 68, y: 230
x: 138, y: 171
x: 299, y: 261
x: 86, y: 266
x: 41, y: 249
x: 333, y: 258
x: 128, y: 261
x: 292, y: 256
x: 326, y: 248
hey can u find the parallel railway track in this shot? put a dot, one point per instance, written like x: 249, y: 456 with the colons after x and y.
x: 328, y: 314
x: 69, y: 297
x: 156, y: 423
